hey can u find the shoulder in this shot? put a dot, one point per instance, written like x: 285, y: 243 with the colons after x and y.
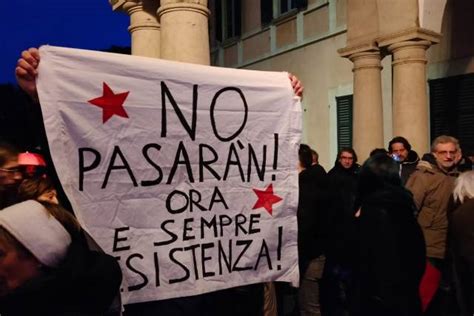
x: 412, y: 158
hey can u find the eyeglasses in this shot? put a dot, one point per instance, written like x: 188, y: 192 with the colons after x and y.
x: 11, y: 170
x: 445, y: 153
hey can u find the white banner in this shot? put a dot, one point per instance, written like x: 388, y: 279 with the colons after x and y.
x: 185, y: 173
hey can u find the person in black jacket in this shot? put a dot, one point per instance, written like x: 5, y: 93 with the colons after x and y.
x: 390, y: 246
x: 342, y: 179
x: 312, y: 232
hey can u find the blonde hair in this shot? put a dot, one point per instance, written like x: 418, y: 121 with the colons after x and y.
x: 444, y: 139
x: 464, y: 186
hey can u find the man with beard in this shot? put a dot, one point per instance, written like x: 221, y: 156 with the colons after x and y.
x: 400, y: 150
x: 432, y: 185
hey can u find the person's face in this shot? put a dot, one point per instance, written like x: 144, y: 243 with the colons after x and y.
x: 15, y: 268
x: 399, y: 150
x: 10, y: 174
x: 446, y: 155
x: 346, y: 159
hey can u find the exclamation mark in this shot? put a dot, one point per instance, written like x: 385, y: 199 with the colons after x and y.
x: 275, y: 156
x: 280, y: 234
x: 157, y: 270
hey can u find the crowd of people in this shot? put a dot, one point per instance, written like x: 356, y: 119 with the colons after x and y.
x: 394, y: 236
x: 391, y: 237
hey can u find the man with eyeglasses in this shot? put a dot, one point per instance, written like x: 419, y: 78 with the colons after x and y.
x: 10, y: 174
x: 432, y: 184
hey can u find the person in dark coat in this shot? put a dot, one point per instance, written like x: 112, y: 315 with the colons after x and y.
x: 342, y: 183
x: 46, y: 270
x: 462, y: 241
x: 390, y: 244
x: 312, y: 210
x: 312, y: 232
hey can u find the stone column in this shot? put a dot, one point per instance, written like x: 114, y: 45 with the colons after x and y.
x: 410, y: 104
x: 144, y: 27
x: 184, y: 30
x: 367, y: 108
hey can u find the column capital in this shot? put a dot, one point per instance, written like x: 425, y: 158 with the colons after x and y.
x: 365, y: 60
x: 171, y: 6
x: 358, y: 48
x: 409, y: 52
x: 117, y: 4
x: 141, y: 17
x: 198, y: 2
x: 411, y: 34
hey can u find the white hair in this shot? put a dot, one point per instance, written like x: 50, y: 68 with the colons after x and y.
x: 464, y: 187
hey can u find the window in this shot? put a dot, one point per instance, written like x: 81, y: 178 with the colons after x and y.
x: 344, y: 121
x: 286, y: 5
x: 270, y: 9
x: 228, y: 17
x: 452, y: 108
x: 266, y: 11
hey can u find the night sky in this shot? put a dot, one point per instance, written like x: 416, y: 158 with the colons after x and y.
x: 86, y: 24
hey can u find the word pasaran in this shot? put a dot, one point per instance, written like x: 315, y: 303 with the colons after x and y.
x: 199, y: 167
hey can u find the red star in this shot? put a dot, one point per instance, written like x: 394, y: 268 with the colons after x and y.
x: 110, y: 103
x: 266, y: 199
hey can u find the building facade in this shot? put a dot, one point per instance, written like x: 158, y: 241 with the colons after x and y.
x: 372, y: 69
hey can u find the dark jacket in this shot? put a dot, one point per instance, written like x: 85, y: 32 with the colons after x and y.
x: 312, y: 215
x: 342, y: 185
x: 408, y: 166
x: 462, y: 244
x: 391, y: 256
x: 465, y: 164
x: 84, y: 284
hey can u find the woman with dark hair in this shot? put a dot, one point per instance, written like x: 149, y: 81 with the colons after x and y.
x: 391, y: 250
x: 39, y: 189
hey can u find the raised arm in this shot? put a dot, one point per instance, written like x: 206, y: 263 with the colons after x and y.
x: 26, y: 71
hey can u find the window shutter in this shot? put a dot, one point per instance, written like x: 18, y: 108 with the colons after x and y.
x: 452, y: 109
x: 266, y: 11
x: 465, y: 119
x: 344, y: 121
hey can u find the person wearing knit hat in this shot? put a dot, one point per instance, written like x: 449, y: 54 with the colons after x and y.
x: 45, y: 269
x: 35, y: 239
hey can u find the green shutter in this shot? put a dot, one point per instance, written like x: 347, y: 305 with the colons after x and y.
x: 452, y: 108
x: 344, y: 121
